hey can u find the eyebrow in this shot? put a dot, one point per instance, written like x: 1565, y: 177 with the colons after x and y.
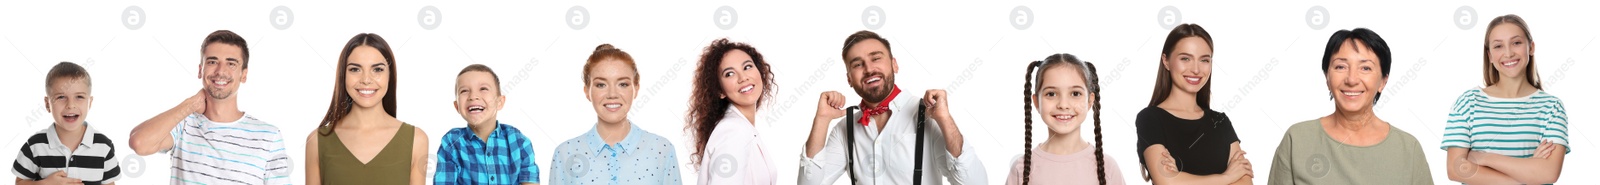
x: 373, y: 65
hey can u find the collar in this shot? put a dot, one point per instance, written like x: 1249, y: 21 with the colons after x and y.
x: 499, y: 129
x: 55, y: 138
x: 883, y: 107
x: 627, y: 144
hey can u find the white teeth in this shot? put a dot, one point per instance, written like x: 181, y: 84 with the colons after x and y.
x: 746, y: 88
x: 475, y: 108
x: 367, y: 92
x: 1348, y: 93
x: 1063, y: 117
x: 1191, y: 78
x: 874, y: 79
x: 613, y: 105
x: 219, y: 82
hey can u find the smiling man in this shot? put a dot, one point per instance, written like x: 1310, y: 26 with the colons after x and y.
x: 210, y: 140
x: 868, y: 147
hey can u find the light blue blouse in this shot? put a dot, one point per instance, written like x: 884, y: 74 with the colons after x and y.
x: 640, y: 158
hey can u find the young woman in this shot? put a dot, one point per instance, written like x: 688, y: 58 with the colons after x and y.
x: 1510, y: 132
x: 1067, y: 89
x: 615, y: 151
x: 359, y: 138
x: 731, y: 82
x: 1181, y: 140
x: 1351, y: 145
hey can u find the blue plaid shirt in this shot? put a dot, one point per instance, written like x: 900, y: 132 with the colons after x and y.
x: 507, y: 158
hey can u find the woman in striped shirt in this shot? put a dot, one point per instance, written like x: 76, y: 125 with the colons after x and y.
x: 1511, y: 131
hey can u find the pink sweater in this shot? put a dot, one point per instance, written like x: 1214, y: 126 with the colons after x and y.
x: 1074, y: 168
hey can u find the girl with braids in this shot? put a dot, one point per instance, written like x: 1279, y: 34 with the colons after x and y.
x: 730, y: 84
x: 1181, y: 140
x: 1067, y: 89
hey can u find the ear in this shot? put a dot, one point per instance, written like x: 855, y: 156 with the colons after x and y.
x: 896, y: 66
x: 200, y: 71
x: 456, y: 104
x: 244, y: 74
x: 1163, y: 61
x: 47, y: 103
x: 501, y: 104
x: 586, y: 91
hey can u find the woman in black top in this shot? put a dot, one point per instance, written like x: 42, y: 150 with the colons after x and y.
x: 1181, y: 140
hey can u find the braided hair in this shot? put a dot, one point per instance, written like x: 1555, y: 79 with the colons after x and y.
x: 1028, y: 88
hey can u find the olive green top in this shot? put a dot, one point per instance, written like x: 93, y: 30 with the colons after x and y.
x: 391, y: 166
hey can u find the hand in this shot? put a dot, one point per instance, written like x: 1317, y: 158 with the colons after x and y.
x: 938, y: 104
x: 1544, y: 150
x: 1239, y: 166
x: 1169, y: 166
x: 59, y: 178
x: 830, y: 106
x: 197, y: 103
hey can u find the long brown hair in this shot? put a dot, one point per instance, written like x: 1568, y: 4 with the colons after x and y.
x: 1092, y: 79
x: 706, y: 108
x: 1492, y: 75
x: 1164, y: 77
x: 341, y: 103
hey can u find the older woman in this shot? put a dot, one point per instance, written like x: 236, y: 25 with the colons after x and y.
x: 1352, y: 145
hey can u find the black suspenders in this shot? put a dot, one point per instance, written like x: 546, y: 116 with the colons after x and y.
x: 850, y: 141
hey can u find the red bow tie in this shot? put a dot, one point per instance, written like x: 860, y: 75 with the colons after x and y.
x: 883, y: 107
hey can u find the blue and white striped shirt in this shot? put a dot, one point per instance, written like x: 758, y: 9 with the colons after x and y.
x: 1506, y: 126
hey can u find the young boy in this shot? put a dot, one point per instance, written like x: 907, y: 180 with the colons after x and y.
x: 486, y: 151
x: 69, y: 152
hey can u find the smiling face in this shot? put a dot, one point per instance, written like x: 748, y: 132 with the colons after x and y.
x: 1189, y: 64
x: 478, y: 98
x: 611, y: 88
x: 1062, y: 99
x: 1509, y: 50
x: 222, y: 70
x: 740, y: 78
x: 366, y: 76
x: 871, y: 69
x: 1355, y: 76
x: 68, y: 102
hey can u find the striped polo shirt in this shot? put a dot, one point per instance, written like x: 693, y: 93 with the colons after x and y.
x: 1506, y: 126
x: 246, y: 151
x: 94, y: 160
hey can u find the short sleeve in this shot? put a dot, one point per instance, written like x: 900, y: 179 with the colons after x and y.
x: 24, y: 167
x: 178, y: 131
x: 113, y: 169
x: 1227, y: 128
x: 1149, y: 131
x: 1458, y: 126
x: 1556, y: 130
x: 280, y: 166
x: 1282, y: 171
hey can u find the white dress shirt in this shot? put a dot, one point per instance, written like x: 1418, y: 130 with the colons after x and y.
x: 887, y: 157
x: 734, y: 154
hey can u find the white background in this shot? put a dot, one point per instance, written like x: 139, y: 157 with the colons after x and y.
x: 1266, y: 75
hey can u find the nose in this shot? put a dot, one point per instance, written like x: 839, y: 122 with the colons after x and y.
x: 612, y: 93
x: 1350, y: 78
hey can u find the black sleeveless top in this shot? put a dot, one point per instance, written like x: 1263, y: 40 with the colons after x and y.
x: 1200, y: 146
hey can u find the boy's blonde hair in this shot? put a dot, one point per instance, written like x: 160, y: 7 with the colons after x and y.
x: 66, y: 70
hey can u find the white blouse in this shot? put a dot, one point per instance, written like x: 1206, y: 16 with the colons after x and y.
x: 734, y: 154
